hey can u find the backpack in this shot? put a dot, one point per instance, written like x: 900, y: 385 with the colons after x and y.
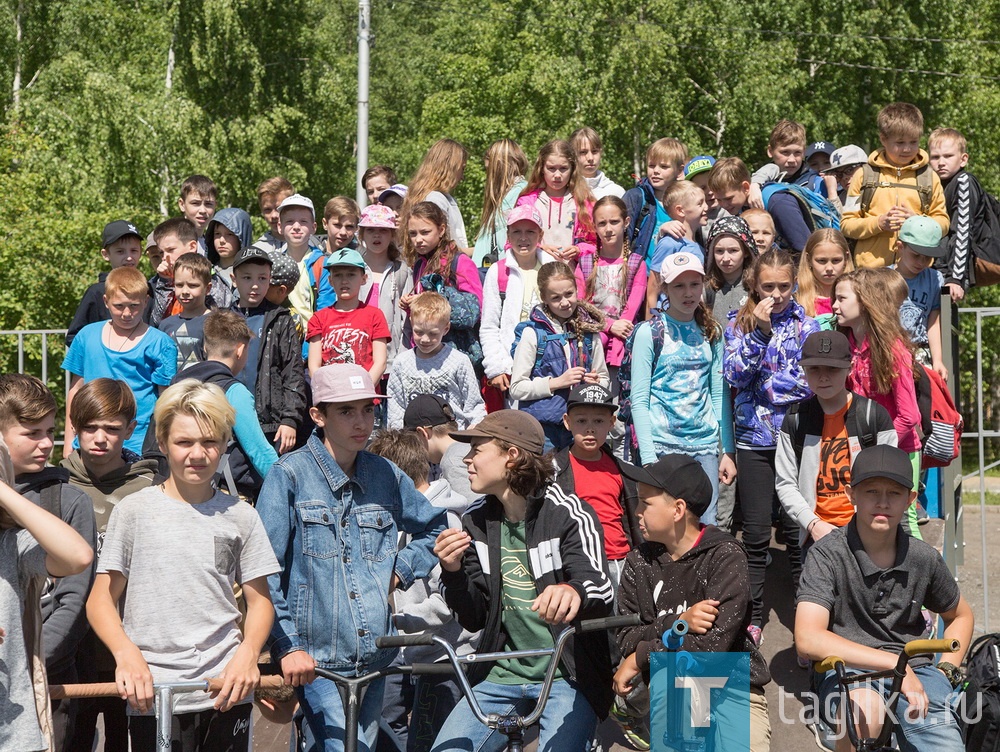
x: 872, y: 181
x: 317, y: 273
x: 942, y: 444
x: 587, y: 261
x: 820, y: 213
x: 658, y: 333
x: 807, y: 417
x: 542, y: 339
x: 981, y: 695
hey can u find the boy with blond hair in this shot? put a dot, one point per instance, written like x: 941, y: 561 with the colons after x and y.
x: 121, y: 245
x: 685, y: 203
x: 785, y: 146
x: 434, y: 367
x: 665, y: 161
x: 123, y: 348
x: 896, y: 184
x: 270, y: 193
x: 197, y: 203
x: 730, y: 181
x: 297, y: 223
x: 192, y: 284
x: 974, y: 246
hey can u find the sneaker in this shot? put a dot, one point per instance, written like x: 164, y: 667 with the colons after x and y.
x: 636, y: 730
x: 922, y: 518
x: 756, y: 634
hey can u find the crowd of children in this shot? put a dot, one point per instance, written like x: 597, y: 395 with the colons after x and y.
x: 395, y: 424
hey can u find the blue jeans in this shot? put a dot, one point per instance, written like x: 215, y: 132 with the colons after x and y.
x: 710, y: 464
x: 323, y: 716
x: 567, y: 725
x: 938, y: 731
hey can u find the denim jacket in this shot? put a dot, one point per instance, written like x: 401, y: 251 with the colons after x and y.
x: 335, y: 539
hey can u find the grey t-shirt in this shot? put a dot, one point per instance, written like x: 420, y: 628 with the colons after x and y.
x: 877, y: 608
x: 21, y: 559
x: 181, y: 561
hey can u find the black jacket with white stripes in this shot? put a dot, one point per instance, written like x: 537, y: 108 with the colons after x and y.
x: 565, y: 545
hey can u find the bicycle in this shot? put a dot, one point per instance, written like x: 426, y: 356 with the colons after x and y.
x: 163, y: 700
x: 880, y: 743
x: 512, y: 726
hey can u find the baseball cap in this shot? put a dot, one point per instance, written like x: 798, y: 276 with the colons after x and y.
x: 253, y: 254
x: 923, y: 235
x: 427, y: 410
x: 376, y: 215
x: 883, y: 461
x: 398, y: 188
x: 698, y: 165
x: 847, y: 156
x: 676, y: 264
x: 524, y: 212
x: 826, y: 349
x: 680, y: 475
x: 150, y: 242
x: 297, y: 199
x: 342, y: 382
x: 344, y: 257
x: 284, y: 270
x: 590, y: 394
x: 513, y: 426
x: 117, y: 230
x: 819, y: 147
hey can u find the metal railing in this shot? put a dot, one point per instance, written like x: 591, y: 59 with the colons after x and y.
x: 39, y: 352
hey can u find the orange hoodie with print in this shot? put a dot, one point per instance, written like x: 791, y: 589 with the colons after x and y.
x: 875, y: 247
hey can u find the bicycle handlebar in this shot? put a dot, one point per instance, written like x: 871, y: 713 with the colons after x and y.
x: 910, y: 649
x: 110, y: 689
x: 587, y: 625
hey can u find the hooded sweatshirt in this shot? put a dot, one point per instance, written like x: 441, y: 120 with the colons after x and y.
x: 659, y: 589
x: 107, y: 491
x: 875, y: 246
x: 64, y: 600
x: 237, y: 222
x: 421, y: 608
x: 601, y: 185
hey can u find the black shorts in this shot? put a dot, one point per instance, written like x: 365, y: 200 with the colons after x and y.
x: 202, y: 731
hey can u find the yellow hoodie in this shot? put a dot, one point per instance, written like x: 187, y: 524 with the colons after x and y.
x: 875, y: 247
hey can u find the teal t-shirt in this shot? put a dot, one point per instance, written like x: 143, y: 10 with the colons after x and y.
x: 525, y: 629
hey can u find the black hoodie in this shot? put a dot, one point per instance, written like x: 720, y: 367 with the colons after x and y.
x: 63, y: 601
x: 658, y: 588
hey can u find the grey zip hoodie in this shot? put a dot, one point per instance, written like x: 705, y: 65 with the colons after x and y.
x: 421, y: 608
x: 237, y: 222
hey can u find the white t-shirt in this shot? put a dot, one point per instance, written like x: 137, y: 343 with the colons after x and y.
x: 181, y: 561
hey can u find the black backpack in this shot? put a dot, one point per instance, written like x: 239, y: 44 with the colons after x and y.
x: 982, y: 695
x: 806, y: 417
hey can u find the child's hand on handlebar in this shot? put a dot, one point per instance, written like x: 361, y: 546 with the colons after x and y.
x: 557, y: 604
x: 450, y: 547
x: 626, y: 673
x: 701, y: 616
x: 298, y: 668
x: 134, y: 680
x: 239, y: 679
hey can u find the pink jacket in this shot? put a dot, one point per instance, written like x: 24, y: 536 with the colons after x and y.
x: 901, y: 403
x: 584, y: 239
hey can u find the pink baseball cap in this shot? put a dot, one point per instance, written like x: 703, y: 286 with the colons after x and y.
x: 342, y: 382
x: 524, y: 212
x: 377, y: 215
x: 676, y: 264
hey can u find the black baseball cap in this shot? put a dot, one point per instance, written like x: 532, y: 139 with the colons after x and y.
x: 883, y: 461
x: 826, y: 349
x: 254, y: 255
x: 117, y: 230
x: 680, y: 475
x: 427, y: 410
x: 594, y: 395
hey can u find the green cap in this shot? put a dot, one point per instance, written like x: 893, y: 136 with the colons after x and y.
x: 923, y: 235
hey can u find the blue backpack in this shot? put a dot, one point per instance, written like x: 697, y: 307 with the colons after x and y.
x: 820, y: 213
x: 658, y: 334
x: 542, y: 339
